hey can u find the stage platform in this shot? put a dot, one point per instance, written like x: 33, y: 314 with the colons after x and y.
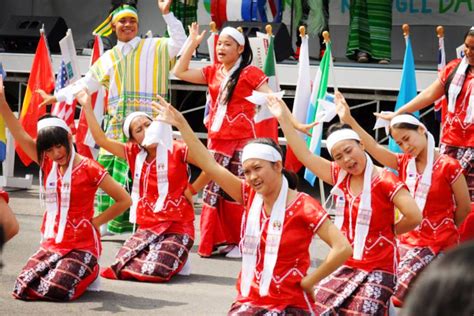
x: 369, y: 81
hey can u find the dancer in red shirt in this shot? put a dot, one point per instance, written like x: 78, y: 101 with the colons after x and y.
x: 67, y: 261
x: 364, y: 197
x: 436, y: 182
x: 279, y: 223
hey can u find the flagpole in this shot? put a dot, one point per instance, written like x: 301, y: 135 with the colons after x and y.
x: 327, y: 41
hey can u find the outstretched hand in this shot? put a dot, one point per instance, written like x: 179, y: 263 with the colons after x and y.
x: 308, y: 287
x: 83, y: 98
x: 47, y: 98
x: 342, y: 108
x: 164, y: 6
x: 386, y: 116
x: 194, y: 33
x: 279, y: 110
x: 167, y: 113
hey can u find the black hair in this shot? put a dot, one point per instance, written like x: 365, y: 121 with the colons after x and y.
x: 470, y: 32
x: 49, y: 137
x: 338, y: 126
x: 247, y: 57
x: 450, y: 77
x: 289, y: 175
x: 445, y: 287
x: 403, y: 125
x: 117, y: 3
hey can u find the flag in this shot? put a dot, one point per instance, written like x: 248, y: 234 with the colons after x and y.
x: 266, y: 125
x: 62, y: 109
x: 438, y: 106
x: 302, y: 99
x: 41, y: 77
x: 211, y: 46
x: 407, y: 86
x: 68, y: 73
x: 84, y: 141
x: 318, y: 93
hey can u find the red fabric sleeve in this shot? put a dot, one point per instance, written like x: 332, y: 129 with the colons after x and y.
x: 254, y: 76
x: 208, y: 72
x: 446, y: 71
x: 131, y: 151
x: 314, y: 214
x: 181, y: 150
x: 452, y: 169
x: 4, y: 195
x: 391, y: 184
x: 95, y: 171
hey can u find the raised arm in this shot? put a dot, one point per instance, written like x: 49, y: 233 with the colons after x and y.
x: 114, y: 147
x: 422, y: 100
x: 182, y: 70
x: 174, y: 26
x: 412, y: 217
x: 319, y: 166
x: 231, y: 184
x: 379, y: 152
x: 27, y: 143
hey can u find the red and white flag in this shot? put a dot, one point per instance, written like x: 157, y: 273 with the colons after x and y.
x: 85, y: 143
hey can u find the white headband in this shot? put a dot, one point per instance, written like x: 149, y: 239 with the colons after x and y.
x: 129, y: 119
x: 339, y: 135
x: 52, y: 122
x: 234, y: 33
x: 405, y: 118
x: 260, y: 151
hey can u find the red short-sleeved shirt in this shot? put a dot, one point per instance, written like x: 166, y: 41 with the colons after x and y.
x: 303, y: 217
x: 238, y: 123
x: 79, y: 232
x: 177, y: 208
x: 437, y: 229
x: 455, y: 131
x: 379, y: 252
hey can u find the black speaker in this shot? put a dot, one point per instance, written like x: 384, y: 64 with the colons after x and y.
x: 20, y: 34
x: 283, y: 48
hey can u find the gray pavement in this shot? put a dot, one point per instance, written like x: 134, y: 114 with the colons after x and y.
x: 209, y: 290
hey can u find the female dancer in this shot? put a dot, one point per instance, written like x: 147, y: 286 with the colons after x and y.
x: 279, y: 224
x: 230, y: 126
x: 456, y: 82
x: 159, y: 248
x: 435, y: 181
x: 365, y: 197
x: 67, y: 261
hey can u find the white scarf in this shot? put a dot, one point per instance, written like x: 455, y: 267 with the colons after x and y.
x: 160, y: 133
x: 221, y: 99
x: 421, y: 191
x: 364, y: 213
x: 51, y: 195
x: 252, y: 238
x: 455, y: 88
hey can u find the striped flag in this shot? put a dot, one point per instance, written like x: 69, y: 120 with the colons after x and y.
x: 84, y: 141
x: 41, y: 77
x: 266, y: 125
x: 319, y: 92
x: 407, y: 86
x: 62, y: 109
x: 438, y: 105
x: 302, y: 99
x: 68, y: 73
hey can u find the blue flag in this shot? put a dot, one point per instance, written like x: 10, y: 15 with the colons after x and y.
x: 407, y: 86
